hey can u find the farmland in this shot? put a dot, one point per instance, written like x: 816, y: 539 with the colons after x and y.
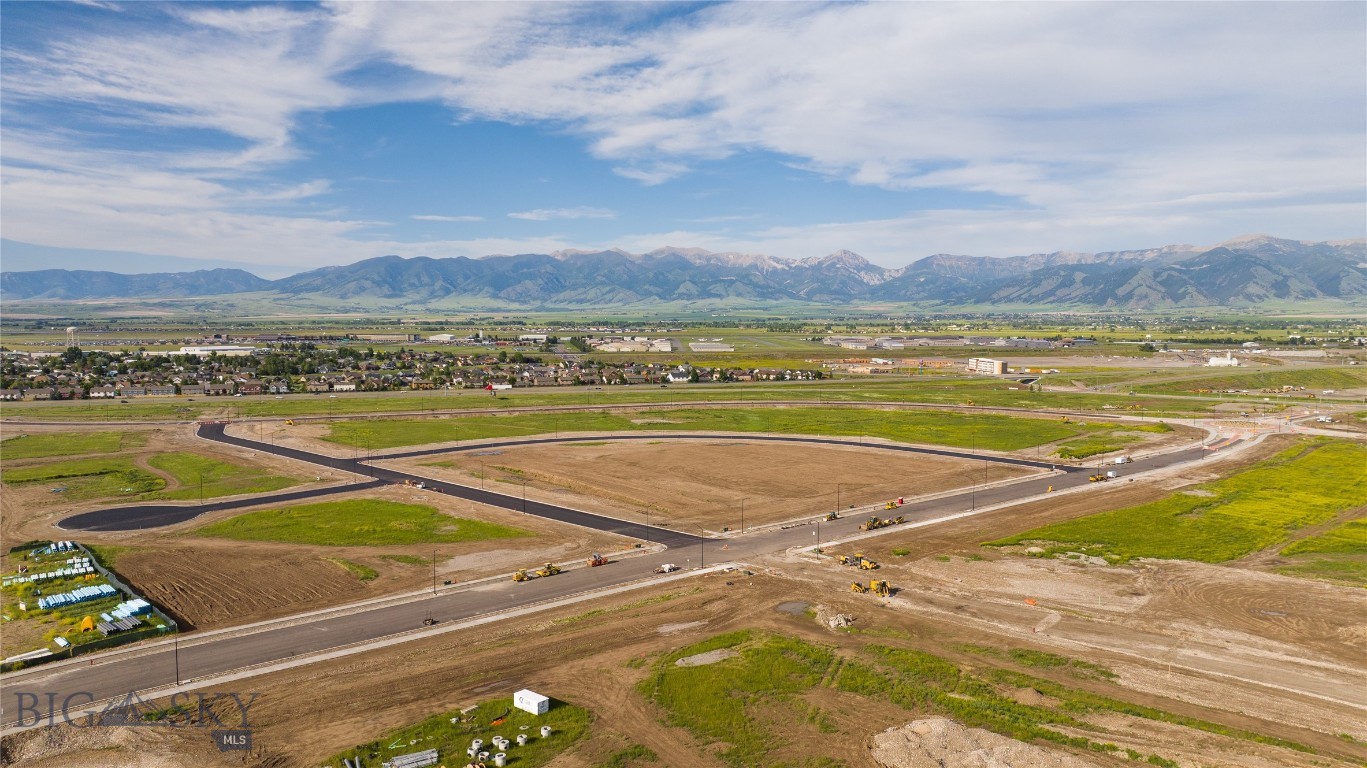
x: 1220, y: 521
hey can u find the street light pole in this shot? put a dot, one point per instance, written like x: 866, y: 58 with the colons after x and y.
x: 837, y: 498
x: 176, y: 639
x: 524, y: 495
x: 742, y: 515
x: 434, y: 573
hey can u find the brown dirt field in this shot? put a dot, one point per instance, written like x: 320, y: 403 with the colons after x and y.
x: 700, y: 484
x: 305, y: 714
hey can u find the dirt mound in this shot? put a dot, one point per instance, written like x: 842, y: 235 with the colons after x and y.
x: 939, y: 742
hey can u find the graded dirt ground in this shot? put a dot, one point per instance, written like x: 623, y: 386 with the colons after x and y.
x: 699, y: 484
x: 1272, y: 654
x: 1143, y: 623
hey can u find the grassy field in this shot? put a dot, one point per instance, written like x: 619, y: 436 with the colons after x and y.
x: 1339, y: 554
x: 1313, y: 379
x: 201, y: 475
x: 962, y: 430
x: 1304, y: 485
x: 356, y: 523
x: 935, y: 390
x: 450, y: 733
x: 43, y: 445
x: 85, y: 479
x: 749, y: 707
x: 362, y: 572
x: 105, y: 477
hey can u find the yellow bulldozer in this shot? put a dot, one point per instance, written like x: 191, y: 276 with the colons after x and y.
x: 549, y: 569
x: 890, y: 505
x: 520, y: 575
x: 866, y: 564
x: 876, y: 586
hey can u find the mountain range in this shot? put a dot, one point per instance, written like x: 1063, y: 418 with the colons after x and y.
x: 1243, y: 271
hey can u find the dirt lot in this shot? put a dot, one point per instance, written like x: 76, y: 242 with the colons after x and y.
x: 700, y: 484
x: 1272, y: 654
x: 303, y: 715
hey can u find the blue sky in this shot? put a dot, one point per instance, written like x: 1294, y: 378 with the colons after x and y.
x: 146, y: 136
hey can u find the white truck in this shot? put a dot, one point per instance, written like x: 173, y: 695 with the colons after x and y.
x: 667, y: 568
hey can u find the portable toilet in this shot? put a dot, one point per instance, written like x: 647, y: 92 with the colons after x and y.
x: 531, y: 701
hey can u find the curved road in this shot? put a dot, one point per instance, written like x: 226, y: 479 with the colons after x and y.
x: 151, y: 666
x: 141, y: 516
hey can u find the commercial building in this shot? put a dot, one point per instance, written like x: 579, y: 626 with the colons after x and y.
x: 986, y: 365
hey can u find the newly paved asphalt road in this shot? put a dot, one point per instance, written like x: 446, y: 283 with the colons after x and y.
x: 116, y: 673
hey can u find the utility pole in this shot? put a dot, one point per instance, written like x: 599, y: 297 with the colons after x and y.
x: 201, y: 488
x: 524, y: 495
x: 837, y: 498
x: 434, y: 573
x: 742, y: 515
x: 176, y: 640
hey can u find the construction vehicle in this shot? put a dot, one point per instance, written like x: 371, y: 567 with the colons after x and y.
x: 1051, y: 489
x: 597, y: 560
x: 890, y: 505
x: 858, y: 588
x: 549, y: 569
x: 832, y: 516
x: 289, y: 422
x: 520, y: 575
x: 851, y: 559
x: 866, y: 564
x: 1066, y: 420
x: 895, y: 521
x: 872, y: 524
x: 880, y: 588
x: 1097, y: 478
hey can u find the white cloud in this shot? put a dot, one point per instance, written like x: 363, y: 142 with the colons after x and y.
x: 434, y: 217
x: 547, y: 214
x: 1103, y: 124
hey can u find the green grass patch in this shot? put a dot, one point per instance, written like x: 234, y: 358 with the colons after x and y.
x: 1348, y: 538
x: 963, y: 430
x: 1348, y: 569
x: 1257, y: 508
x: 43, y: 445
x: 730, y: 701
x: 362, y: 572
x: 83, y: 479
x: 108, y: 554
x: 450, y: 733
x: 407, y: 559
x: 1092, y: 445
x: 631, y: 756
x: 202, y: 476
x: 1029, y: 657
x: 1313, y: 379
x: 356, y: 523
